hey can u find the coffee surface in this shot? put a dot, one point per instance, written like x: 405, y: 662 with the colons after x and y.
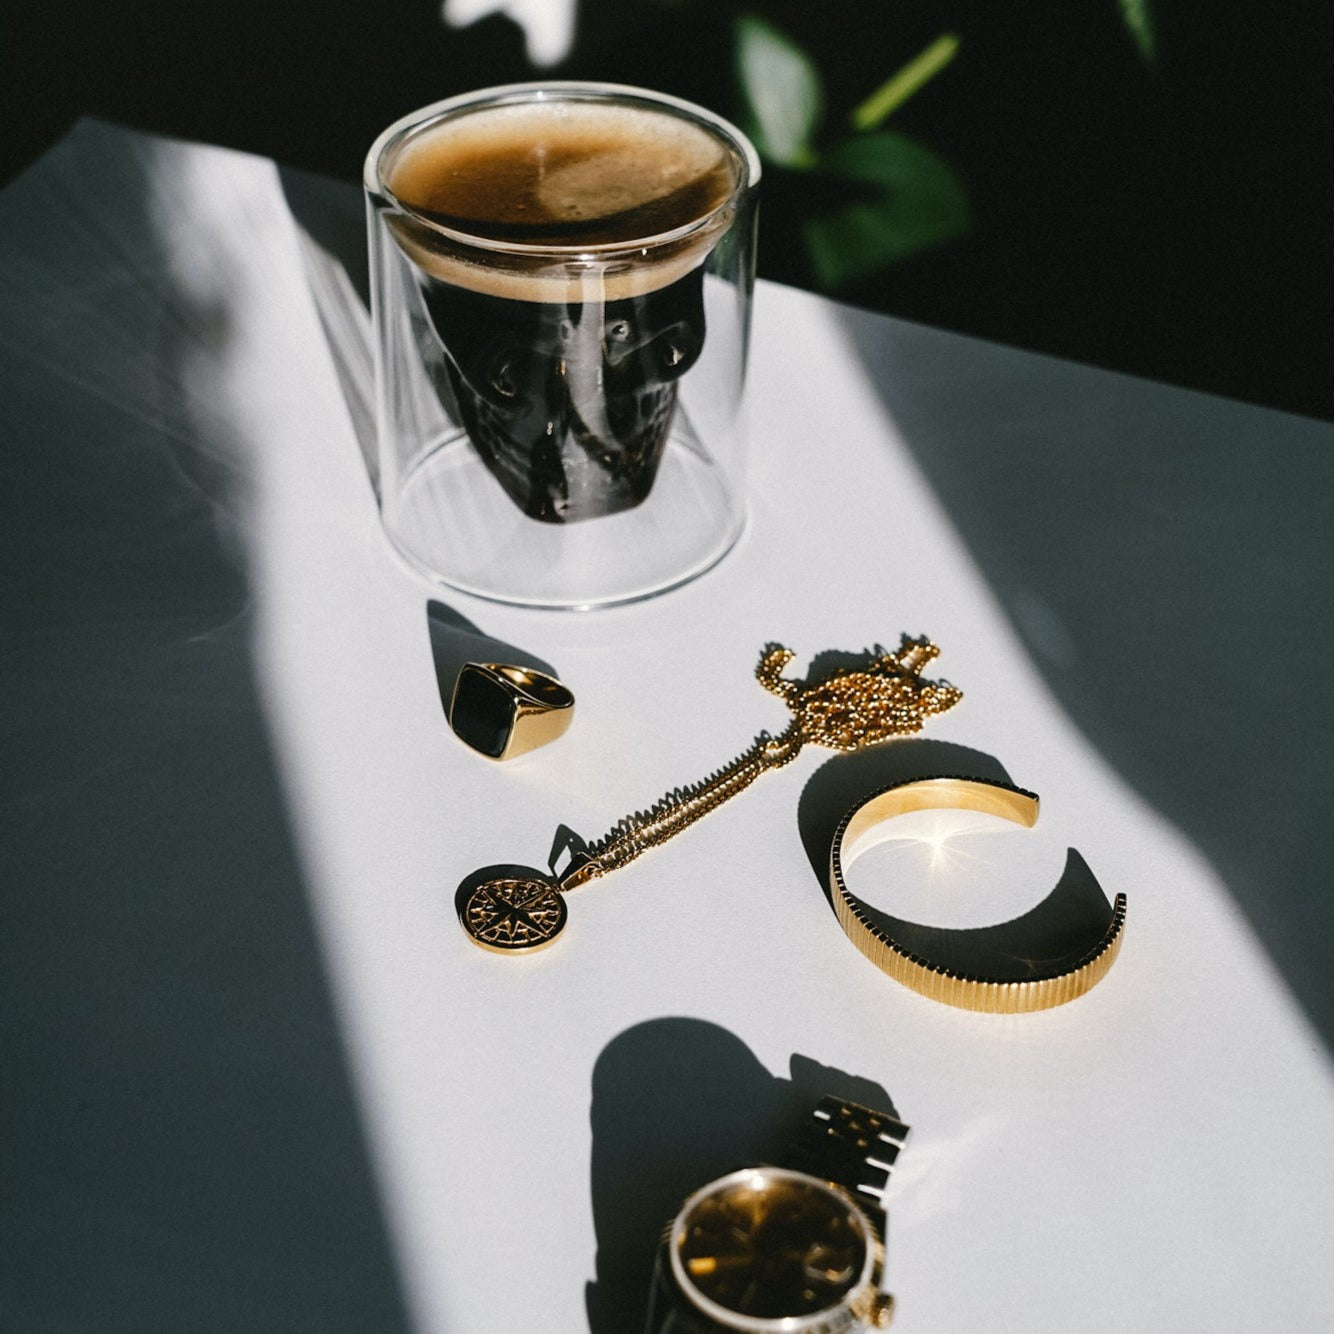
x: 563, y: 173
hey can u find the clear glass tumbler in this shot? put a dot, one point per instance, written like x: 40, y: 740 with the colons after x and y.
x: 561, y: 287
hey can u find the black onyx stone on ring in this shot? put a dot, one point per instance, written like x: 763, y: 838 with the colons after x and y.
x: 482, y: 712
x: 502, y: 710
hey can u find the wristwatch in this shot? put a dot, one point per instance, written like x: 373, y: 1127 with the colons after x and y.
x: 797, y: 1248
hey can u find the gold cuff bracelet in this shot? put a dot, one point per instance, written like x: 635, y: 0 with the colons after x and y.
x: 1039, y: 992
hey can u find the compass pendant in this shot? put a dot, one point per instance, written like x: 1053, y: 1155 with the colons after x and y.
x: 514, y: 915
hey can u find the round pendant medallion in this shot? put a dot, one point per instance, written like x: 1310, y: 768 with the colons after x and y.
x: 513, y: 915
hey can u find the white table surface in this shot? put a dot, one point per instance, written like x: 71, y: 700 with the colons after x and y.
x: 256, y: 1077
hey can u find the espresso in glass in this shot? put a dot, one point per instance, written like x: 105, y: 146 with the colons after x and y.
x: 558, y: 247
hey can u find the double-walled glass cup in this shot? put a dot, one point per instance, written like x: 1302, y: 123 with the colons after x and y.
x: 561, y: 286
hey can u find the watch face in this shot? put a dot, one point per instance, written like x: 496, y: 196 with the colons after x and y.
x: 769, y: 1248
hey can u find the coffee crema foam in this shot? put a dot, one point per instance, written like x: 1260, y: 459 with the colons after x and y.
x: 559, y: 180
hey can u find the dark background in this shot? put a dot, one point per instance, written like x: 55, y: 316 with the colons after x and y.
x: 1169, y: 218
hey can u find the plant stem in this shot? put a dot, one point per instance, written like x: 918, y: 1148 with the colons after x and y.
x: 898, y: 88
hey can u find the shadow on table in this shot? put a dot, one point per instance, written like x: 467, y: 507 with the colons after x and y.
x: 1168, y: 559
x: 676, y: 1103
x: 181, y: 1147
x: 331, y: 226
x: 455, y: 640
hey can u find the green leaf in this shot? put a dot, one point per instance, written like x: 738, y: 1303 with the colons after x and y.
x: 897, y: 89
x: 1138, y: 17
x: 915, y: 201
x: 781, y: 88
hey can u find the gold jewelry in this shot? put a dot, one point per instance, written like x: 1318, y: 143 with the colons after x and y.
x: 797, y: 1247
x: 938, y: 983
x: 502, y: 711
x: 771, y: 1248
x: 852, y: 708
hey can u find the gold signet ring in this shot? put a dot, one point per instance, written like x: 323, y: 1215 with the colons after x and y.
x: 501, y: 710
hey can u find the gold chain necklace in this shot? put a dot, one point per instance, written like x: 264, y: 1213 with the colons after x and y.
x: 852, y: 708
